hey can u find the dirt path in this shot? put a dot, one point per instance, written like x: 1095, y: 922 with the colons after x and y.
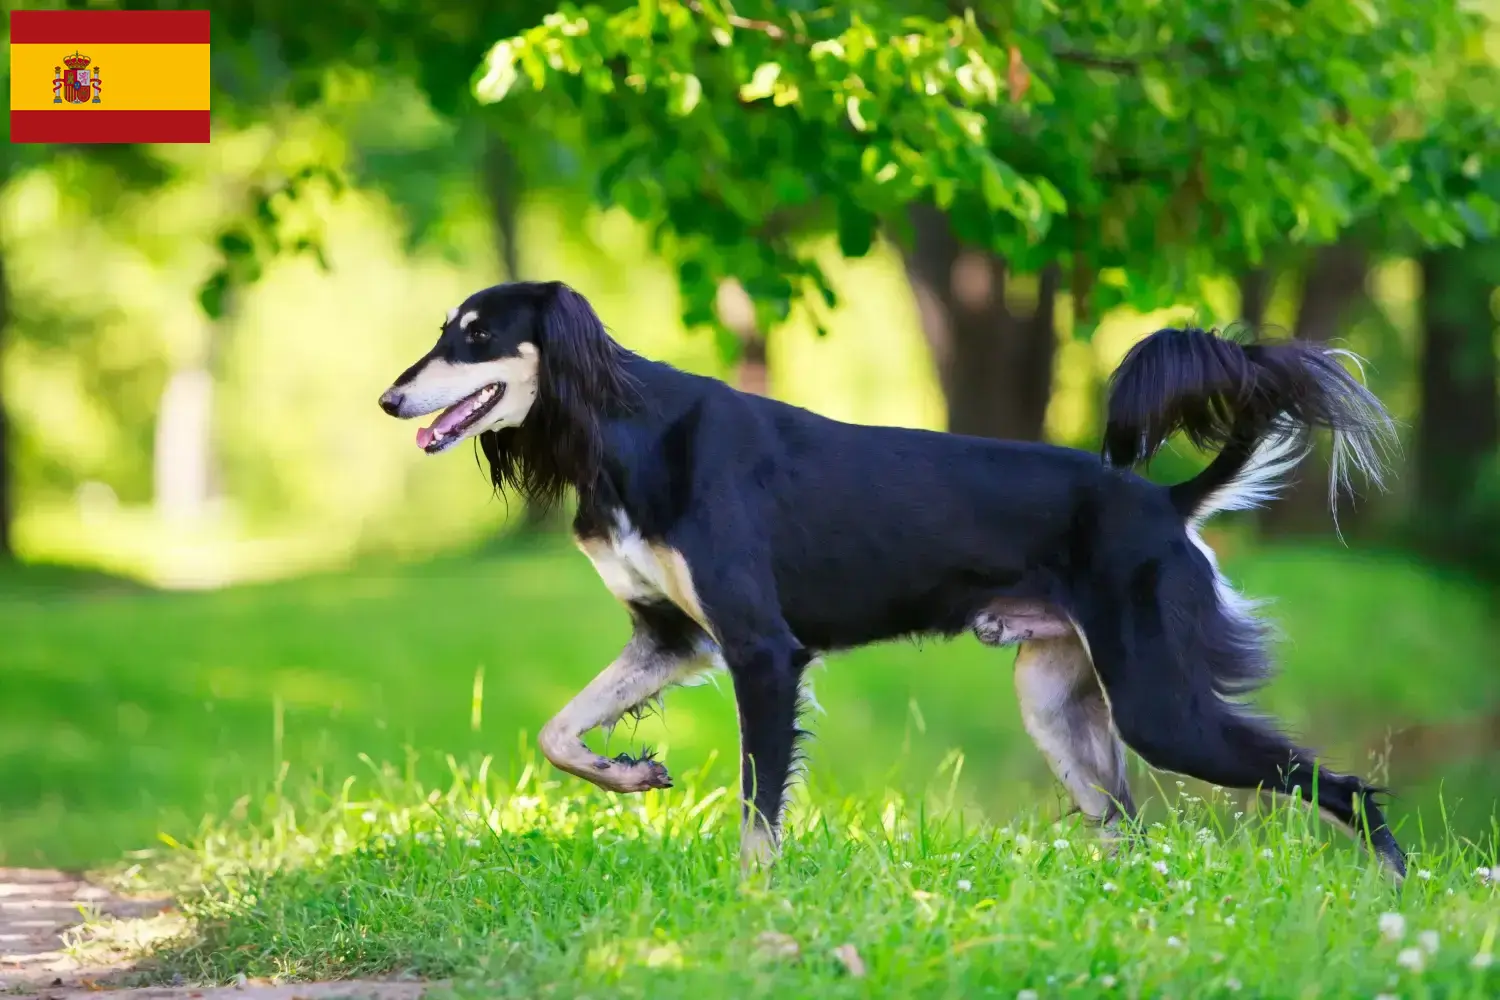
x: 41, y: 908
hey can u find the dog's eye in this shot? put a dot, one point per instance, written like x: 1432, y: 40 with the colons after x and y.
x: 479, y: 336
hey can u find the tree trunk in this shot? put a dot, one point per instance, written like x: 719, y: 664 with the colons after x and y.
x: 1334, y: 282
x: 1255, y: 296
x: 1458, y: 424
x: 994, y: 365
x: 500, y: 178
x: 182, y: 468
x: 736, y: 311
x: 6, y: 509
x: 502, y: 187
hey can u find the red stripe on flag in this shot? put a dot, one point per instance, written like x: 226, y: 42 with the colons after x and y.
x: 109, y: 126
x: 97, y: 27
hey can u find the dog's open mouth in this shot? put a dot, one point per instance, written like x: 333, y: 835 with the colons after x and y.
x: 450, y: 425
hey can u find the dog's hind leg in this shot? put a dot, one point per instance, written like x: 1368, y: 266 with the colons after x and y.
x: 1066, y: 714
x: 1170, y: 713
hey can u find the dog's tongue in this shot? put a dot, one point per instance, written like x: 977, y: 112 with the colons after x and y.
x: 446, y: 421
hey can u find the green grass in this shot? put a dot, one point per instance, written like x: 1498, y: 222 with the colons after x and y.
x: 125, y: 712
x: 526, y: 888
x: 127, y: 715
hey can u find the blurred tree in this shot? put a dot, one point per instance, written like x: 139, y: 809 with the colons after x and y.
x: 5, y: 460
x: 288, y: 52
x: 1458, y: 427
x: 1120, y: 154
x: 1334, y: 279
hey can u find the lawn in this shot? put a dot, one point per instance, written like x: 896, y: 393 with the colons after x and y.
x: 928, y: 841
x: 126, y: 712
x: 532, y: 889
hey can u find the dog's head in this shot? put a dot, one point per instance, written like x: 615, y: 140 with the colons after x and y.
x: 527, y: 367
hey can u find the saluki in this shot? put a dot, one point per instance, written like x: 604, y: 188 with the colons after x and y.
x: 744, y: 533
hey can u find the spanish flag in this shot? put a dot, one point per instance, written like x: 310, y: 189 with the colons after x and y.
x: 109, y: 76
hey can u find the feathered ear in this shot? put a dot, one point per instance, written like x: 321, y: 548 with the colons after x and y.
x: 581, y: 379
x: 577, y: 354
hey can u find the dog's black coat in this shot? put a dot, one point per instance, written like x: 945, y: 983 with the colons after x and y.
x: 805, y: 534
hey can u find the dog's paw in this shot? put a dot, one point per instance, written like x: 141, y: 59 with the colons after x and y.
x: 631, y: 774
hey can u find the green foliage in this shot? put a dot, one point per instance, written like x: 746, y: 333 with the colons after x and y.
x: 1142, y: 146
x: 272, y: 227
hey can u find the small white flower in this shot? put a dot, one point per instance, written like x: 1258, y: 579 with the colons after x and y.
x: 1108, y: 982
x: 1237, y: 814
x: 1228, y: 921
x: 473, y: 841
x: 1061, y: 845
x: 1386, y: 996
x: 1424, y: 874
x: 1166, y: 848
x: 1267, y: 854
x: 1232, y: 984
x: 1174, y: 942
x: 1410, y: 958
x: 906, y: 864
x: 1026, y: 995
x: 1160, y: 866
x: 1429, y: 941
x: 1109, y: 887
x: 369, y: 817
x: 1392, y: 926
x: 964, y: 885
x: 1483, y: 960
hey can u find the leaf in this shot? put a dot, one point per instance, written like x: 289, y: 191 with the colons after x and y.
x: 762, y: 82
x: 1159, y: 93
x: 855, y: 117
x: 687, y: 91
x: 856, y: 230
x: 214, y: 293
x: 499, y: 73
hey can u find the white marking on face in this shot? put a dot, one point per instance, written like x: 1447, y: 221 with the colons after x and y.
x: 442, y: 383
x: 469, y: 317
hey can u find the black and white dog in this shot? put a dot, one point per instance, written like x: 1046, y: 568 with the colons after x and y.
x: 746, y: 533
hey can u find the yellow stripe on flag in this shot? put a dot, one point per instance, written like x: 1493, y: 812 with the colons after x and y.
x: 131, y: 77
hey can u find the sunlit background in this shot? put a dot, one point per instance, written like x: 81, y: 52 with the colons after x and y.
x: 229, y: 570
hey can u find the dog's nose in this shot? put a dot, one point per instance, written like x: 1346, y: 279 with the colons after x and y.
x: 390, y: 401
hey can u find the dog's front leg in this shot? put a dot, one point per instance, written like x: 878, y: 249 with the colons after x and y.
x: 639, y: 674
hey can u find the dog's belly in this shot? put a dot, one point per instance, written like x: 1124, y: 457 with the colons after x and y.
x: 1006, y: 621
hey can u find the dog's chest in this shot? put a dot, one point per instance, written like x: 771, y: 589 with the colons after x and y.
x: 636, y: 570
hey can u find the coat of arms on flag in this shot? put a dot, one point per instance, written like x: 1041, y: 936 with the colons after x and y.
x: 78, y: 84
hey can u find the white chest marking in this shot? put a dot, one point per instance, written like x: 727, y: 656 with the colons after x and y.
x: 634, y: 569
